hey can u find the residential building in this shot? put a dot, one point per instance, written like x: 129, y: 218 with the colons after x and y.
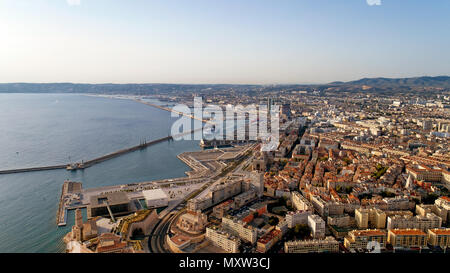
x: 268, y: 240
x: 223, y: 239
x: 329, y: 244
x: 239, y: 228
x: 439, y: 237
x: 299, y: 202
x: 360, y: 239
x: 339, y: 220
x: 294, y: 218
x: 423, y: 223
x: 317, y: 226
x: 407, y: 238
x: 362, y: 218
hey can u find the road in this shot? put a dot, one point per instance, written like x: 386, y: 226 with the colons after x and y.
x: 158, y: 235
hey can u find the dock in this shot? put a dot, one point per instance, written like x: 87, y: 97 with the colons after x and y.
x: 68, y: 188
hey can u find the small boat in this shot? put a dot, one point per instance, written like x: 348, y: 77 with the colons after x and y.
x: 72, y: 167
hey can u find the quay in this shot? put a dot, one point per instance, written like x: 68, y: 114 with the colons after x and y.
x: 206, y: 166
x: 69, y: 188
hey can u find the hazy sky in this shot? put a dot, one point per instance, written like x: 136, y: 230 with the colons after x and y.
x: 222, y: 41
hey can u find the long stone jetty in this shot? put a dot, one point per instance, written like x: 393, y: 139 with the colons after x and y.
x: 89, y: 163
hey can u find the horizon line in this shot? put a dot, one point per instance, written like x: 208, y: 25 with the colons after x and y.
x: 260, y: 84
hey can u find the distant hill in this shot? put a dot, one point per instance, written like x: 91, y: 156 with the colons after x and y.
x: 390, y: 85
x: 439, y: 81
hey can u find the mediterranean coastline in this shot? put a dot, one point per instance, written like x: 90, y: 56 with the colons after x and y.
x: 48, y: 132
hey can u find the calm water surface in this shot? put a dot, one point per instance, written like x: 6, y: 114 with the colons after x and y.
x: 47, y: 129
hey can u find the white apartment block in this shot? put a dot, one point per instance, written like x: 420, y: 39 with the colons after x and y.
x: 317, y: 226
x: 362, y: 218
x: 240, y: 229
x: 361, y: 238
x: 223, y: 239
x: 443, y: 208
x: 329, y: 244
x: 377, y: 218
x: 294, y: 218
x: 414, y: 222
x: 299, y: 202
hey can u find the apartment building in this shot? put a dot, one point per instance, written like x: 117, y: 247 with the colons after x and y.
x: 329, y: 245
x: 429, y: 174
x: 299, y: 202
x: 443, y: 208
x: 268, y: 240
x: 317, y: 226
x: 223, y: 239
x: 407, y: 238
x: 439, y: 237
x: 359, y: 239
x: 362, y: 218
x: 377, y: 218
x: 440, y: 211
x: 326, y: 208
x: 339, y: 220
x: 294, y: 218
x: 423, y: 223
x: 239, y: 228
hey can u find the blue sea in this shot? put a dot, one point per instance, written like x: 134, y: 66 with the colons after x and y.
x: 49, y: 129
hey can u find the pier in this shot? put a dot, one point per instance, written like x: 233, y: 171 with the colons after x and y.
x: 34, y: 169
x: 89, y: 163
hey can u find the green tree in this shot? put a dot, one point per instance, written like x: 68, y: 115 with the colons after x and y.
x: 273, y: 221
x: 301, y: 231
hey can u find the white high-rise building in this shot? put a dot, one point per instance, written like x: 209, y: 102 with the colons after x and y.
x: 317, y: 226
x: 294, y: 218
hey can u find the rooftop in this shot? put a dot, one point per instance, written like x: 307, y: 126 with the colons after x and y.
x: 440, y: 231
x: 112, y: 199
x: 407, y: 232
x: 368, y: 232
x: 154, y: 194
